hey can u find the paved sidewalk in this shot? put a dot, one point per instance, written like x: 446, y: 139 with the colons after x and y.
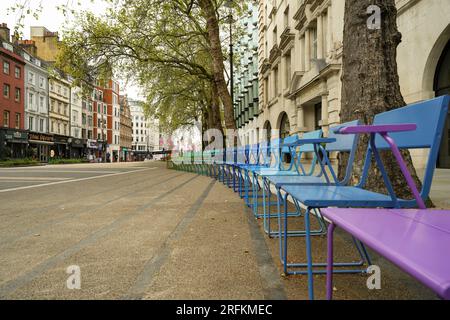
x: 146, y: 232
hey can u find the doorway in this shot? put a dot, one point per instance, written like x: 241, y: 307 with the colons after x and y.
x: 442, y: 87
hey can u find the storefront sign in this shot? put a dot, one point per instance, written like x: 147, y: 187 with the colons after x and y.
x: 78, y: 143
x: 40, y: 137
x: 16, y: 136
x: 92, y: 144
x: 61, y: 140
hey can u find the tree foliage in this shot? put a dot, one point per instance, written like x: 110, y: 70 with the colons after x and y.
x: 164, y: 45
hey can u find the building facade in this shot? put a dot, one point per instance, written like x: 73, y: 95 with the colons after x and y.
x: 145, y: 131
x: 77, y: 144
x: 59, y: 113
x: 300, y: 65
x: 46, y: 42
x: 36, y: 106
x: 126, y: 130
x: 13, y: 137
x: 98, y: 145
x: 111, y: 95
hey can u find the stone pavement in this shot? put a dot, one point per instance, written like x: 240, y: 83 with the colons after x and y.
x: 145, y: 232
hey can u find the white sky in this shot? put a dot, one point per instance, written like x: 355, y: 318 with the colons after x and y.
x: 54, y: 20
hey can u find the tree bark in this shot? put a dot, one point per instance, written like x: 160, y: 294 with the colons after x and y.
x: 209, y: 11
x: 370, y: 85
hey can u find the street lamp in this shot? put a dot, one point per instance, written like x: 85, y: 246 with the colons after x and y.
x: 229, y: 5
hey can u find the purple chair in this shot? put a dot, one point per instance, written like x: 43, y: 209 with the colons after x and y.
x: 416, y: 240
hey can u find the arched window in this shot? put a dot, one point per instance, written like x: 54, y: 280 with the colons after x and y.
x: 442, y: 87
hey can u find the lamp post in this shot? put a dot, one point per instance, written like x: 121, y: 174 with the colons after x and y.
x: 229, y: 5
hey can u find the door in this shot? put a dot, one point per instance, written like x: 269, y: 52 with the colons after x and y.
x: 442, y: 87
x: 43, y: 153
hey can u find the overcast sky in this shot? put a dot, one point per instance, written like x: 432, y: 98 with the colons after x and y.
x: 54, y: 20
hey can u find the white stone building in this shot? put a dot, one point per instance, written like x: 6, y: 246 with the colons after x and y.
x: 36, y: 104
x: 300, y: 61
x: 146, y: 134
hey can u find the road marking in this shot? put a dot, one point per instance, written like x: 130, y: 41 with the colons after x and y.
x: 64, y: 171
x: 10, y: 286
x: 32, y: 179
x: 74, y: 214
x: 73, y: 180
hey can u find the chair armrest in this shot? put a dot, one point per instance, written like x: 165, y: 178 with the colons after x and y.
x: 402, y: 127
x: 309, y: 141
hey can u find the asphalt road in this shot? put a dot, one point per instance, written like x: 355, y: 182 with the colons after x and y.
x: 135, y: 231
x: 140, y: 231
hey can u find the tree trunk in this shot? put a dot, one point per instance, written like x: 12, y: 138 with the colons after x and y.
x: 370, y: 85
x: 216, y: 122
x: 209, y: 11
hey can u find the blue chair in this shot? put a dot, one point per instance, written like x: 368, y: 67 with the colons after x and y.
x: 429, y: 116
x: 325, y: 176
x: 295, y: 168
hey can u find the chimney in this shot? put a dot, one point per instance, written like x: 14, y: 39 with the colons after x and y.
x: 5, y: 33
x: 29, y: 46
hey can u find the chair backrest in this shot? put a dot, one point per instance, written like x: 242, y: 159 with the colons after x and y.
x: 344, y: 142
x: 430, y: 117
x: 288, y: 140
x: 310, y: 135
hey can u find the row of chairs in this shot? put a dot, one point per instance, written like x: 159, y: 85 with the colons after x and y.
x: 258, y: 172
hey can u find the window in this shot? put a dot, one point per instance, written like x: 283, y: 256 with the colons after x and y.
x: 65, y: 129
x: 41, y: 125
x: 6, y: 89
x: 30, y: 123
x: 41, y: 82
x: 317, y: 115
x: 5, y: 67
x: 30, y: 100
x: 288, y: 70
x: 314, y: 43
x: 53, y: 126
x: 17, y: 122
x: 75, y: 116
x: 286, y: 18
x: 275, y: 82
x: 59, y: 128
x: 18, y: 72
x: 17, y: 95
x: 266, y: 91
x: 275, y: 36
x: 51, y: 86
x: 31, y: 77
x: 6, y: 119
x: 42, y: 103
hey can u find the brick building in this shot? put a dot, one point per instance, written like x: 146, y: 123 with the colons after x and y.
x: 13, y: 138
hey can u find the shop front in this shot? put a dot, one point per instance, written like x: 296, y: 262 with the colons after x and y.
x: 124, y: 155
x: 61, y: 147
x: 13, y: 143
x: 77, y: 148
x: 40, y: 145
